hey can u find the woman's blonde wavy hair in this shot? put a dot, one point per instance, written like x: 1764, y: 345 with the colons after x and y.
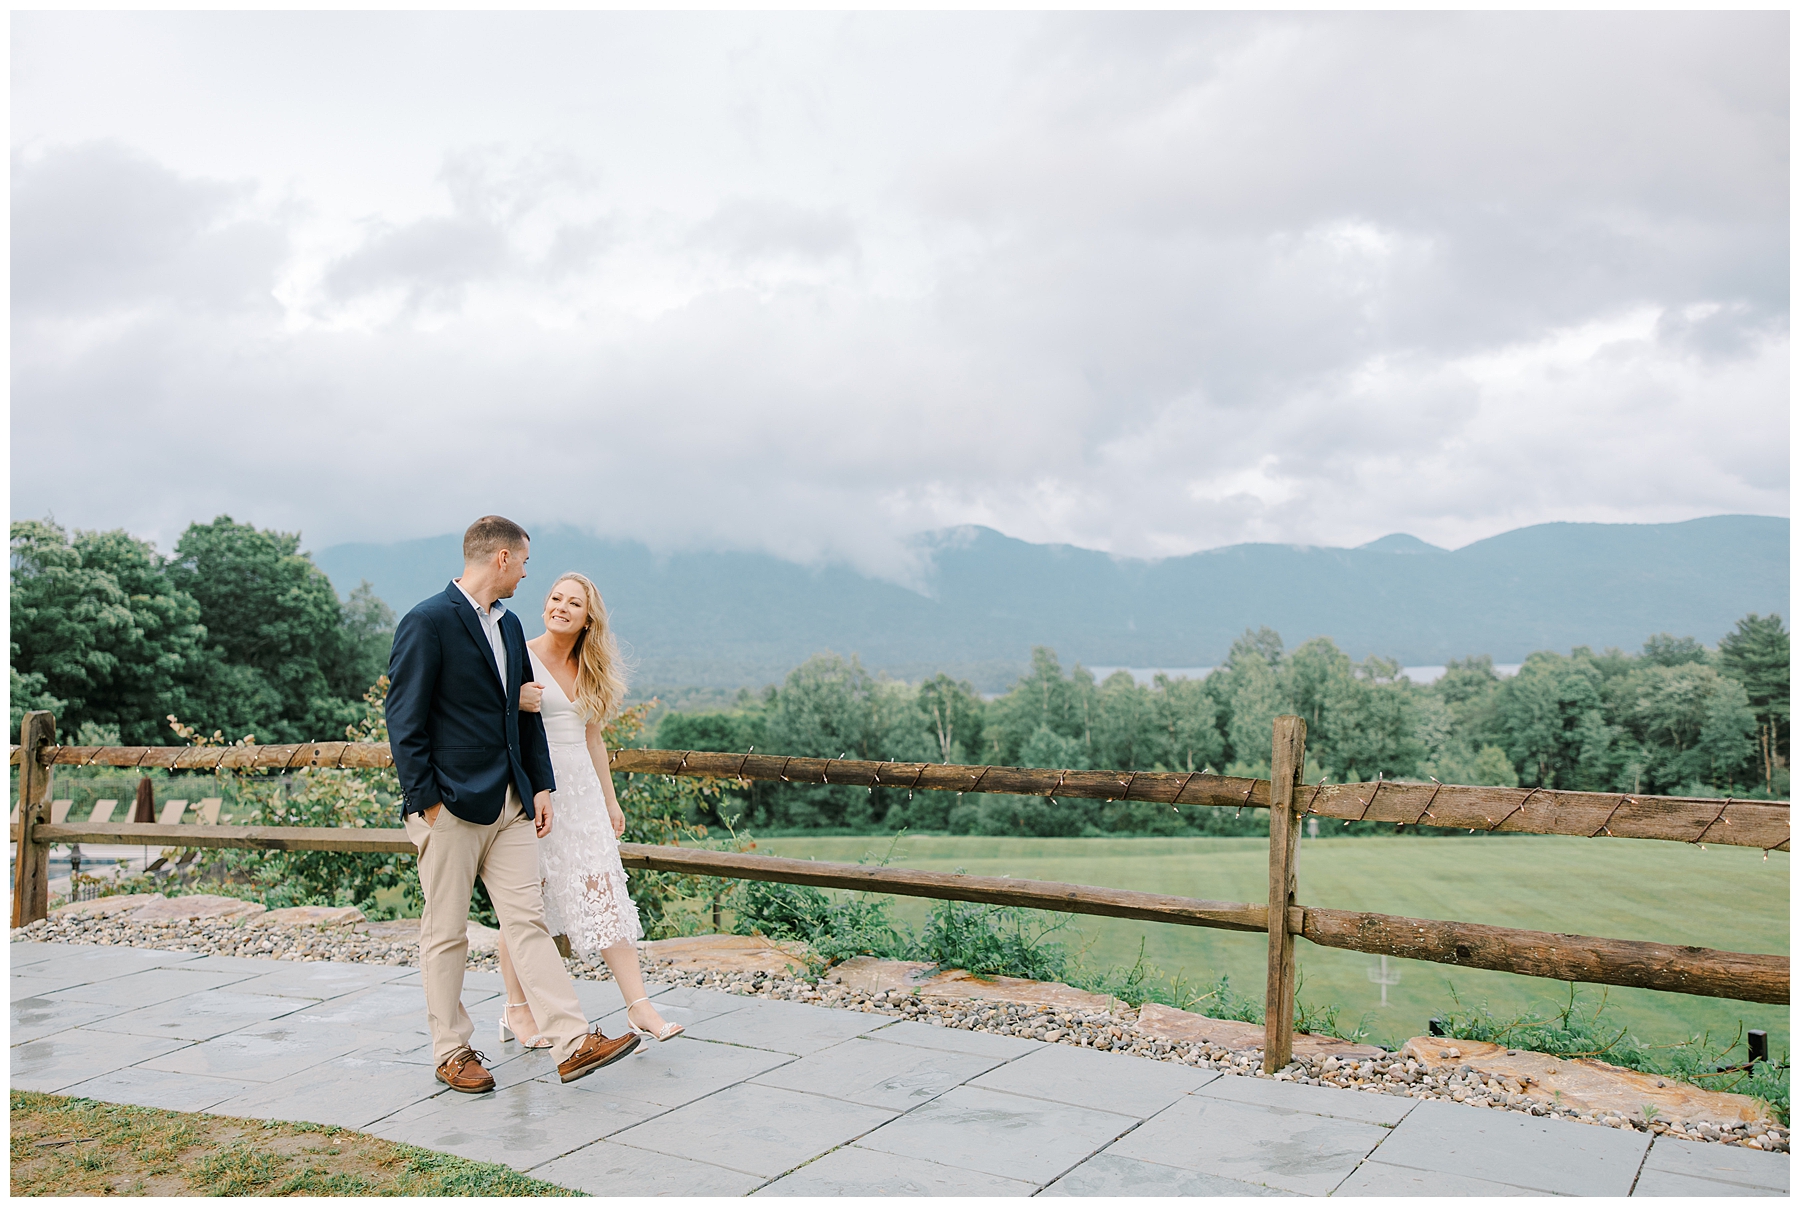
x: 599, y: 671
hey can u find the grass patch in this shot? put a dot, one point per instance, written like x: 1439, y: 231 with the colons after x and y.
x: 77, y: 1146
x: 1724, y: 897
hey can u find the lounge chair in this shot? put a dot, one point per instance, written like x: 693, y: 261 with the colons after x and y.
x: 103, y: 811
x: 171, y: 812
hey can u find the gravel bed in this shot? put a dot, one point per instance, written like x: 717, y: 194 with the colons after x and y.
x: 1105, y: 1031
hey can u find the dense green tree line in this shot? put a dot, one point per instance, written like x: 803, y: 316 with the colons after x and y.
x: 1675, y: 719
x: 236, y: 631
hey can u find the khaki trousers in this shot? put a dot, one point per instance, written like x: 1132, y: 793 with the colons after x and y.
x: 452, y: 852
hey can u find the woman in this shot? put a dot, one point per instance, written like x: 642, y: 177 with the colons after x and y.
x: 576, y: 665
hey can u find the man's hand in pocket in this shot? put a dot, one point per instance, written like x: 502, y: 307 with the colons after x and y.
x: 431, y: 814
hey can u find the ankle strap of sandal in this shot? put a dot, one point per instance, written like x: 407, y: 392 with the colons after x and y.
x: 634, y: 1001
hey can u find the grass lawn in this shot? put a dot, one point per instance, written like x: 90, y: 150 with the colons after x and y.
x: 76, y: 1146
x: 1723, y: 897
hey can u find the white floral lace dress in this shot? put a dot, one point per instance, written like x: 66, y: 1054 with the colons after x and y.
x: 585, y: 896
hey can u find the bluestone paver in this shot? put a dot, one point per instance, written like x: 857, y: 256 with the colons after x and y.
x: 204, y: 1015
x: 1313, y: 1099
x: 952, y: 1039
x: 21, y: 955
x: 1110, y: 1176
x: 1375, y: 1179
x: 99, y: 963
x: 251, y: 1055
x: 57, y: 1061
x: 1012, y: 1136
x: 520, y: 1126
x: 789, y: 1027
x: 22, y: 988
x: 392, y: 1007
x: 679, y: 1071
x: 862, y: 1172
x: 605, y: 1168
x: 1722, y: 1164
x: 790, y: 1098
x: 1660, y: 1184
x: 755, y: 1129
x: 354, y: 1091
x: 320, y: 981
x: 1288, y: 1150
x: 1104, y: 1081
x: 35, y: 1017
x: 166, y: 1091
x: 1550, y: 1156
x: 895, y: 1076
x: 146, y: 987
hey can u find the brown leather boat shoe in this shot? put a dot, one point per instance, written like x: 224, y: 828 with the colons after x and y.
x: 595, y: 1052
x: 464, y: 1074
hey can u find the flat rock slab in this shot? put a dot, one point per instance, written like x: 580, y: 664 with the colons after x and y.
x: 729, y: 953
x: 312, y: 915
x: 105, y: 907
x: 1589, y: 1085
x: 1182, y: 1026
x: 194, y: 908
x: 866, y: 974
x: 405, y: 930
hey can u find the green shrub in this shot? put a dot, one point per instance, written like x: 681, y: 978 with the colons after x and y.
x: 993, y: 940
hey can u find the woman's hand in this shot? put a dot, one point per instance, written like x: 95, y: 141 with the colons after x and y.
x: 618, y: 819
x: 531, y: 697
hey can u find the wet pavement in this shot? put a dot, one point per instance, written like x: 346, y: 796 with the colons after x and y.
x: 779, y: 1098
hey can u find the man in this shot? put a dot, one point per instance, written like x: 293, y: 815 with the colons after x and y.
x: 476, y: 780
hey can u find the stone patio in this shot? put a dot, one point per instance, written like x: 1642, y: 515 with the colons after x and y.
x: 778, y: 1098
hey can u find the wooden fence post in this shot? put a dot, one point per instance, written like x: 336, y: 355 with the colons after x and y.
x: 1286, y: 763
x: 31, y: 874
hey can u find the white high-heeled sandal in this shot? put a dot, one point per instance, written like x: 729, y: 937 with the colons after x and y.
x: 669, y: 1031
x: 506, y: 1032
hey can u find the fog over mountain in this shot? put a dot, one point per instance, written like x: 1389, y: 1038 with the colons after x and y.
x: 737, y: 619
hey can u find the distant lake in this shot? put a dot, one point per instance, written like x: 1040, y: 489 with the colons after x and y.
x: 1145, y: 674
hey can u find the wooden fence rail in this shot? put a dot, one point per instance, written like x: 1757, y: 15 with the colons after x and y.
x: 1762, y: 824
x: 1631, y: 963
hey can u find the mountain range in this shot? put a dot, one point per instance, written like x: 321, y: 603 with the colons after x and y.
x: 730, y: 619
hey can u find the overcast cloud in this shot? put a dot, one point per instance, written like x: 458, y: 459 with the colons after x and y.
x: 812, y: 283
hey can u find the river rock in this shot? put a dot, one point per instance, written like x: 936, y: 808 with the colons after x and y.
x: 730, y: 953
x: 105, y: 907
x: 1587, y: 1084
x: 1179, y: 1026
x: 200, y: 905
x: 310, y: 915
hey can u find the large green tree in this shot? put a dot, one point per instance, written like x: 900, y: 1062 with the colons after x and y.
x: 239, y: 632
x: 1755, y: 653
x: 100, y: 635
x: 268, y: 610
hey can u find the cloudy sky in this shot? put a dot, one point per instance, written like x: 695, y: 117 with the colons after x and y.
x: 811, y: 283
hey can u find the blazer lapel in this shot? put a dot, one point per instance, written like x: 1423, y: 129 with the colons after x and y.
x: 466, y: 612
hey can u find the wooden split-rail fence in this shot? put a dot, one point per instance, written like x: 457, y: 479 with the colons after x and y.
x: 1566, y: 957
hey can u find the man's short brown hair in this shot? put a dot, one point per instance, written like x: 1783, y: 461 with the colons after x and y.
x: 489, y: 535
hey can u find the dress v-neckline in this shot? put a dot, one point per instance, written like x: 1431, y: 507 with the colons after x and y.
x: 551, y: 675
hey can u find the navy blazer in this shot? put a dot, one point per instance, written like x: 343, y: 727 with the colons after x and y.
x: 455, y: 729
